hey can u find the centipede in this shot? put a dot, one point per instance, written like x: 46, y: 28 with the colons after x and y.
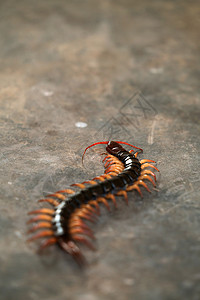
x: 67, y: 221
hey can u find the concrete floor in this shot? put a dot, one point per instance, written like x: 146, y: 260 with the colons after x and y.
x: 130, y: 71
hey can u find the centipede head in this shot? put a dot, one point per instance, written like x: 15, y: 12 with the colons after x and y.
x: 113, y: 147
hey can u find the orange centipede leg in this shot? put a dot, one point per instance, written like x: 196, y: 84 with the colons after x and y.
x: 86, y: 210
x: 67, y: 191
x: 112, y: 197
x: 95, y: 203
x: 51, y: 201
x: 79, y: 223
x: 104, y: 201
x: 106, y: 166
x: 134, y: 187
x: 90, y: 208
x: 40, y: 218
x: 146, y: 160
x: 47, y: 243
x: 42, y: 211
x: 112, y: 174
x: 84, y: 241
x: 80, y: 185
x: 123, y: 193
x: 101, y: 178
x: 82, y: 231
x: 148, y: 172
x: 145, y: 165
x: 42, y: 234
x: 40, y: 226
x: 57, y: 195
x: 113, y: 169
x: 145, y: 176
x: 109, y: 162
x: 90, y: 182
x: 117, y: 167
x: 107, y: 176
x: 144, y: 185
x: 106, y: 157
x: 85, y: 216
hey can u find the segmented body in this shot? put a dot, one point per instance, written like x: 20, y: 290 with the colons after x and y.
x: 64, y: 224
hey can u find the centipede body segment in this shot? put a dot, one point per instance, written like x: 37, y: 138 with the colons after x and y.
x: 66, y: 223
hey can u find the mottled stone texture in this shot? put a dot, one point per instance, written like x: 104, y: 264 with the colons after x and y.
x: 130, y: 70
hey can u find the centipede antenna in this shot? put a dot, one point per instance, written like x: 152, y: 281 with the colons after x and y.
x: 92, y: 146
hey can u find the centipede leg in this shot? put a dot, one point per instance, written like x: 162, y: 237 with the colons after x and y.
x: 85, y: 216
x: 85, y: 241
x: 141, y: 182
x: 112, y: 197
x: 90, y: 208
x: 115, y: 169
x: 42, y: 234
x: 66, y: 191
x: 136, y: 153
x: 80, y: 185
x: 51, y: 201
x: 82, y: 231
x: 40, y: 226
x: 95, y: 203
x: 146, y: 160
x: 47, y: 243
x: 145, y: 176
x: 40, y: 218
x: 58, y: 195
x: 123, y: 193
x: 149, y: 172
x: 42, y: 211
x: 102, y: 177
x: 89, y: 182
x: 104, y: 201
x: 76, y: 221
x: 105, y: 158
x: 134, y: 187
x: 145, y: 165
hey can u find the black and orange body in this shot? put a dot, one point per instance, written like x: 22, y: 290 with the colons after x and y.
x: 65, y: 225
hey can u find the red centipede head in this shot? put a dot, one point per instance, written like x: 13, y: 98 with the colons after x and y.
x: 113, y: 147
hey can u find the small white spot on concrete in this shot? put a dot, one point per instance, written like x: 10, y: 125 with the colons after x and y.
x: 9, y: 182
x: 81, y: 124
x: 18, y: 234
x: 129, y: 281
x: 156, y: 70
x: 87, y: 297
x: 47, y: 93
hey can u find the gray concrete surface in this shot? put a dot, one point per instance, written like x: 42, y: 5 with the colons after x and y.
x: 130, y: 71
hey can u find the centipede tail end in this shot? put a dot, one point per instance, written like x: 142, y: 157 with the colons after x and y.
x: 72, y: 249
